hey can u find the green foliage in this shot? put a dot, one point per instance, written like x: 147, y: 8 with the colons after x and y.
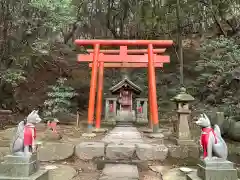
x: 221, y: 54
x: 57, y: 13
x: 219, y: 61
x: 59, y: 99
x: 31, y: 30
x: 219, y: 57
x: 12, y: 77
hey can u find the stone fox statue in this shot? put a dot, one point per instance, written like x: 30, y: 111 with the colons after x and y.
x: 24, y: 139
x: 211, y: 140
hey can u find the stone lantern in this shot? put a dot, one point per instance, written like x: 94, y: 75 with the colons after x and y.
x: 183, y: 134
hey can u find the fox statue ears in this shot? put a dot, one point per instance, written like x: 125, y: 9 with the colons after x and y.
x: 33, y: 117
x: 33, y: 112
x: 203, y: 115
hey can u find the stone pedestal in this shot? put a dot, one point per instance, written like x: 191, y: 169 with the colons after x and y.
x: 217, y: 169
x: 183, y: 134
x: 142, y: 117
x: 24, y: 168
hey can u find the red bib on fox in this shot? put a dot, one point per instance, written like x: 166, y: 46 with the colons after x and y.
x: 205, y: 138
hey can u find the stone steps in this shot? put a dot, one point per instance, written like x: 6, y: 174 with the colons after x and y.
x: 120, y: 172
x: 122, y: 151
x: 122, y: 143
x: 141, y: 164
x: 125, y: 152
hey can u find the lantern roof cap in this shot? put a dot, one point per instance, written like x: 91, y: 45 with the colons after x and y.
x: 183, y: 96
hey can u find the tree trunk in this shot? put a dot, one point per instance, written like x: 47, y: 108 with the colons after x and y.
x: 180, y: 50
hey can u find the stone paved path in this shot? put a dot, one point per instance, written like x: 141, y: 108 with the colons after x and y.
x: 123, y: 135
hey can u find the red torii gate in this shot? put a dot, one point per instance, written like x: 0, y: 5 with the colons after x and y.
x: 101, y: 66
x: 98, y: 59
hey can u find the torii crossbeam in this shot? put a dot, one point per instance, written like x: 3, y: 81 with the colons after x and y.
x: 102, y: 60
x: 129, y: 51
x: 127, y: 65
x: 123, y: 58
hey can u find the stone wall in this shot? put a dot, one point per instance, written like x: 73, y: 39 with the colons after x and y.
x: 6, y: 118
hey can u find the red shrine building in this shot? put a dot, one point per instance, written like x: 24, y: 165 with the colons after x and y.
x: 125, y: 105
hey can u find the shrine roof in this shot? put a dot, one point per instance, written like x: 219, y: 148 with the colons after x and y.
x: 126, y: 82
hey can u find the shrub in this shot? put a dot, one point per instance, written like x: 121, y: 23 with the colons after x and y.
x: 59, y: 99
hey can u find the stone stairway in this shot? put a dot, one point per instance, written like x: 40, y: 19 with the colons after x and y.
x: 122, y: 138
x: 121, y: 153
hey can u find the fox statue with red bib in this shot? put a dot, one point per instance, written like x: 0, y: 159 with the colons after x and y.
x: 24, y: 140
x: 211, y: 140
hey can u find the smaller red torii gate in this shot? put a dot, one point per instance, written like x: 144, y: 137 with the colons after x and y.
x: 101, y: 60
x: 102, y: 65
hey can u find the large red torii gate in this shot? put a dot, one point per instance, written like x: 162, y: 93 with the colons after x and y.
x: 101, y: 60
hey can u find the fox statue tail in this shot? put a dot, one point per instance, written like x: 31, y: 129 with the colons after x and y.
x: 217, y: 131
x: 221, y: 147
x: 17, y: 141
